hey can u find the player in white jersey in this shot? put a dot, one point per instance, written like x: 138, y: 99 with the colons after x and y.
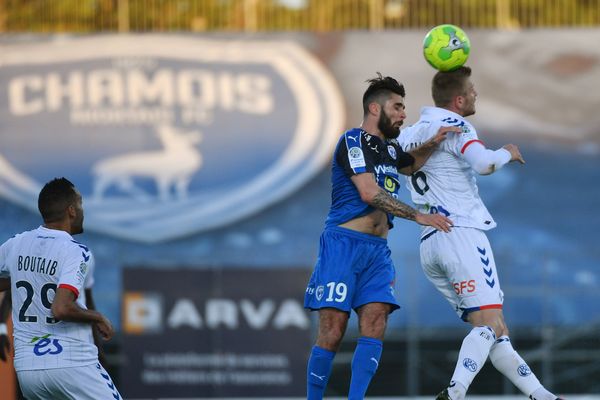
x: 460, y: 263
x: 55, y: 356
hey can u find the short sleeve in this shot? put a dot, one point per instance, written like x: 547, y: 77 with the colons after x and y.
x: 89, y: 278
x: 463, y: 140
x: 404, y: 159
x: 75, y: 268
x: 353, y: 155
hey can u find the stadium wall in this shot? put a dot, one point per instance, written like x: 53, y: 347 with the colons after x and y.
x: 254, y: 120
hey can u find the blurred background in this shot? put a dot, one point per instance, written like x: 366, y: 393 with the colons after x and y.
x: 200, y: 134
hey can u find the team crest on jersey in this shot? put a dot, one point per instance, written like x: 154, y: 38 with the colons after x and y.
x: 319, y: 292
x: 155, y: 130
x: 392, y: 151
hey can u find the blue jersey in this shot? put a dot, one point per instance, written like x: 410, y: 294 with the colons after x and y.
x: 358, y: 152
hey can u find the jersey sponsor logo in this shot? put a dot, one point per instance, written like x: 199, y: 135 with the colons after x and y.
x: 386, y: 170
x: 155, y: 130
x: 464, y: 287
x: 390, y: 184
x: 392, y: 151
x: 44, y: 345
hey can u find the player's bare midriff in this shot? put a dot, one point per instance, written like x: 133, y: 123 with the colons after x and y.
x: 374, y: 223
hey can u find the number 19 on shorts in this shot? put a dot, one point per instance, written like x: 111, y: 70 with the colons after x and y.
x: 336, y: 292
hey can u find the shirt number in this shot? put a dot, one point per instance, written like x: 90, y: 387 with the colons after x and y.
x: 30, y: 293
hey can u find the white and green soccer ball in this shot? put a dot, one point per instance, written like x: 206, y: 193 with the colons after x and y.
x: 446, y: 47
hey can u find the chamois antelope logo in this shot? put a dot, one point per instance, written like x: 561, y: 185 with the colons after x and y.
x: 171, y: 168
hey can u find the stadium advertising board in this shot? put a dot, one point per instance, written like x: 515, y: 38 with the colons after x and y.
x: 231, y: 332
x: 165, y: 136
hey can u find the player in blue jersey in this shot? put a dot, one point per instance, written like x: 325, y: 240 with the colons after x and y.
x: 354, y: 270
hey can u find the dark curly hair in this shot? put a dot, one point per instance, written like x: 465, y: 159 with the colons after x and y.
x: 380, y: 89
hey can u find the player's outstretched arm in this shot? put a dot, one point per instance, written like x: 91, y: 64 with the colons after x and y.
x: 375, y: 196
x: 64, y: 308
x: 422, y: 153
x: 485, y: 161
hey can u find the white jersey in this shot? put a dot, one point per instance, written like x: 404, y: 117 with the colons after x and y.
x: 446, y: 184
x: 38, y: 262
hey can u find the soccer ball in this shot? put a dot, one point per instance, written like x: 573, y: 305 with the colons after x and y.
x: 446, y: 47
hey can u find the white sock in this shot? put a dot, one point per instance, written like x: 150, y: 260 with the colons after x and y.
x: 457, y: 391
x: 506, y: 360
x: 542, y: 394
x: 473, y: 353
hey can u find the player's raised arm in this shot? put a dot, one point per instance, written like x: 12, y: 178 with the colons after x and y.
x: 376, y: 197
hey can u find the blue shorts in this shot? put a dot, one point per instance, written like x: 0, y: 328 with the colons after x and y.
x: 353, y: 269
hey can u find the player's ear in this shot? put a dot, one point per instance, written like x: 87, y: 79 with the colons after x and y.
x: 71, y: 211
x: 459, y: 101
x: 374, y: 108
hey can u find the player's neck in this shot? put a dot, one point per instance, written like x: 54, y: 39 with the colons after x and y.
x: 454, y: 110
x: 372, y: 129
x: 59, y: 226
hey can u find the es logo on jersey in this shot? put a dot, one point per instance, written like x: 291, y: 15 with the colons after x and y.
x: 164, y: 136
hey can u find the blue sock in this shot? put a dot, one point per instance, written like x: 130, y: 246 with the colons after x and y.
x: 317, y: 372
x: 364, y: 364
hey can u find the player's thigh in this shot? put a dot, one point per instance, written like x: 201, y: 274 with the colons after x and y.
x: 89, y: 382
x: 333, y: 281
x: 376, y: 278
x: 461, y: 266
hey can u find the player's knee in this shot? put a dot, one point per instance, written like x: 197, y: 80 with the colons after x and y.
x: 330, y: 339
x: 330, y: 336
x: 373, y: 324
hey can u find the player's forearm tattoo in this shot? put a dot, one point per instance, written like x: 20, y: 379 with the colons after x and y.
x: 387, y: 203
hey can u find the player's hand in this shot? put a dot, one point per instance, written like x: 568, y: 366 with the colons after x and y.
x: 440, y: 136
x: 4, y: 347
x: 515, y: 154
x: 105, y: 328
x: 438, y: 221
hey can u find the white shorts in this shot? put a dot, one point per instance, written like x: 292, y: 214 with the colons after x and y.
x: 74, y: 383
x: 460, y: 264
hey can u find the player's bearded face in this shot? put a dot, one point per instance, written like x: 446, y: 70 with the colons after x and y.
x: 390, y: 130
